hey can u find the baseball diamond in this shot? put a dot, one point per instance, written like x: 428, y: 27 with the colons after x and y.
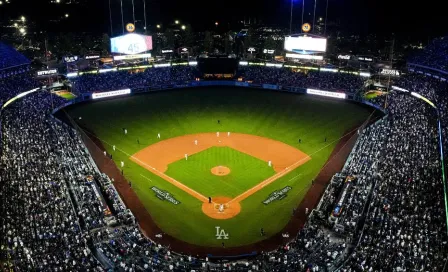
x: 220, y: 173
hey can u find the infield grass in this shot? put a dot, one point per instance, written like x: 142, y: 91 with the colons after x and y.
x: 280, y: 116
x: 245, y: 172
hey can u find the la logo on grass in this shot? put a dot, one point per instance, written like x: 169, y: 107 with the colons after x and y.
x: 221, y: 234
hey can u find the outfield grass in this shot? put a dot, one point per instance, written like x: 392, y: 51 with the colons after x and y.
x: 245, y: 172
x: 280, y: 116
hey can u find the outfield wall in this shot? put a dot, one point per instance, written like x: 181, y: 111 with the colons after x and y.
x: 155, y: 88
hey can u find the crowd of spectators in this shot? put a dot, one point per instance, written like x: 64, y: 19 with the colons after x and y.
x: 40, y: 229
x: 435, y: 55
x: 404, y: 227
x: 88, y: 83
x: 327, y: 81
x: 11, y: 61
x: 154, y: 77
x: 59, y: 213
x: 11, y: 86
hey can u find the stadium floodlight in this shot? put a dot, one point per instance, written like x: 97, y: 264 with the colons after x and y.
x: 183, y: 27
x: 58, y: 1
x: 176, y: 22
x: 216, y: 23
x: 66, y: 15
x: 22, y: 30
x: 1, y: 2
x: 23, y: 18
x: 158, y: 26
x: 16, y: 24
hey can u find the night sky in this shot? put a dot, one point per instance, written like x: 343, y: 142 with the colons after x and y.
x: 404, y: 18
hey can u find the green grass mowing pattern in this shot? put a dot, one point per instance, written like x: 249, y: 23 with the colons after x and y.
x: 245, y: 172
x: 280, y: 116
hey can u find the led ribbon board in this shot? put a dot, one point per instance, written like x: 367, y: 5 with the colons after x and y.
x: 110, y: 94
x: 327, y: 94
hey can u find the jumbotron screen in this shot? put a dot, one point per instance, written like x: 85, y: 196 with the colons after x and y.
x: 131, y: 44
x: 305, y: 43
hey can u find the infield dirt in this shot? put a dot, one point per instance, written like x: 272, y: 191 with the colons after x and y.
x: 220, y: 170
x: 284, y: 159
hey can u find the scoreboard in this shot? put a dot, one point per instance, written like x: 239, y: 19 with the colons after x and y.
x: 131, y: 44
x: 305, y: 44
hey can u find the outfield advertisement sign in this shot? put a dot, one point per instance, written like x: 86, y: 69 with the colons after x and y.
x: 300, y: 56
x: 70, y: 59
x: 133, y: 57
x: 110, y: 94
x: 242, y: 84
x: 164, y: 195
x: 47, y: 72
x: 92, y: 57
x: 390, y: 72
x: 327, y: 94
x: 344, y: 57
x: 270, y: 87
x: 277, y: 195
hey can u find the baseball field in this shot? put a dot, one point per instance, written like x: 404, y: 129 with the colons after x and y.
x: 215, y: 165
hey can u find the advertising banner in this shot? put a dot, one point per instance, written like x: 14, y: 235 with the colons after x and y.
x: 110, y: 94
x: 270, y: 86
x: 47, y: 72
x: 327, y: 94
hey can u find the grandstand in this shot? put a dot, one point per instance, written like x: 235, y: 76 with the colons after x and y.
x: 433, y: 60
x: 11, y: 61
x: 60, y: 213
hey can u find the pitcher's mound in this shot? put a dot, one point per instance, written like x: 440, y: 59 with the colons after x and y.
x: 219, y: 209
x: 220, y: 171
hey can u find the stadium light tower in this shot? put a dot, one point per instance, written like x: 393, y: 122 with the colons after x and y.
x: 303, y: 11
x: 144, y: 12
x: 133, y: 12
x: 110, y: 19
x: 314, y: 17
x: 122, y: 19
x: 326, y: 15
x: 290, y: 18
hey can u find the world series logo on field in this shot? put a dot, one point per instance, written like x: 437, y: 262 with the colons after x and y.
x: 164, y: 195
x: 277, y: 195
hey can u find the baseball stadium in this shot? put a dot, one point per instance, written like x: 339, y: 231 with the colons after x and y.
x: 257, y: 152
x: 237, y: 147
